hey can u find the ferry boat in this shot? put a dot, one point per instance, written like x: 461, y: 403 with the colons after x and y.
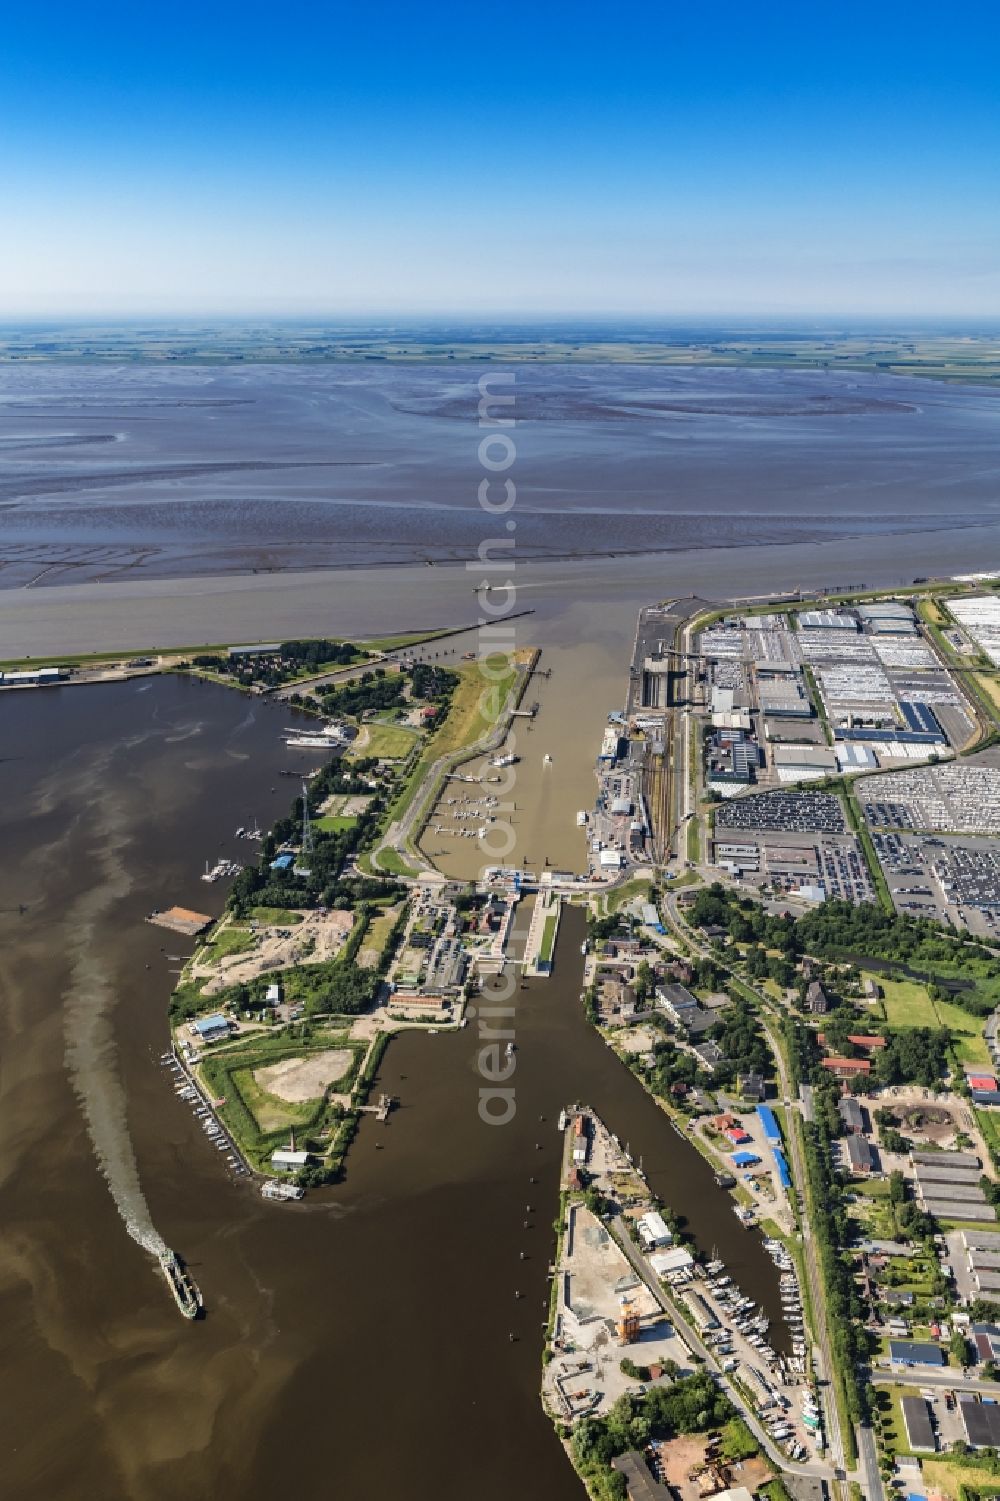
x: 506, y: 760
x: 186, y: 1292
x: 274, y: 1188
x: 546, y: 759
x: 509, y: 1050
x: 582, y: 818
x: 328, y: 737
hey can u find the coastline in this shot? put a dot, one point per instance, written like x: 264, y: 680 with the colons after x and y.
x: 137, y: 613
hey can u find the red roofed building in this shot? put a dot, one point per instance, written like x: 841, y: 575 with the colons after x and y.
x: 868, y: 1042
x: 846, y: 1068
x: 982, y: 1081
x: 737, y: 1135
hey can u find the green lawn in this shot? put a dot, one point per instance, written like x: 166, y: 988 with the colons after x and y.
x: 906, y: 1002
x: 378, y: 931
x: 392, y: 863
x: 332, y: 823
x: 627, y: 892
x: 548, y: 942
x: 389, y: 742
x: 967, y: 1031
x: 894, y: 1429
x: 275, y: 917
x: 228, y: 940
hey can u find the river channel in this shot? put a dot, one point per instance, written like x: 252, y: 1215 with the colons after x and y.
x: 359, y: 1341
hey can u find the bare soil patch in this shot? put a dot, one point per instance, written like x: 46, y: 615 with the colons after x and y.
x: 299, y: 1079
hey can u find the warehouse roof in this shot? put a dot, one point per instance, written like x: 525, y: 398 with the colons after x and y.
x: 982, y: 1423
x: 917, y: 1417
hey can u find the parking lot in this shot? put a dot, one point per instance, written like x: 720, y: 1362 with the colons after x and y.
x: 958, y: 797
x: 792, y: 812
x: 949, y: 878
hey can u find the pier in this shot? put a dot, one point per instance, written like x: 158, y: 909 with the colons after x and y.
x: 386, y: 1103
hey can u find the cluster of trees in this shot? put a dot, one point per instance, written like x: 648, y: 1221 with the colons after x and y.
x: 911, y: 1221
x: 371, y: 691
x: 693, y: 1404
x: 739, y: 1036
x: 835, y: 929
x: 838, y: 930
x: 744, y: 920
x: 832, y: 1230
x: 918, y: 1055
x: 260, y: 886
x: 378, y: 689
x: 670, y: 1067
x: 292, y: 659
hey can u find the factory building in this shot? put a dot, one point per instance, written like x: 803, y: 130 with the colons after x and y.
x: 34, y: 677
x: 799, y: 763
x: 853, y: 756
x: 826, y: 620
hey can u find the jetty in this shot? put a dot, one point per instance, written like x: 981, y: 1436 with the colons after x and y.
x: 386, y: 1102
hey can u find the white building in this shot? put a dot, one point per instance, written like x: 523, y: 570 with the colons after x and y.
x: 654, y: 1231
x: 665, y: 1263
x: 288, y: 1162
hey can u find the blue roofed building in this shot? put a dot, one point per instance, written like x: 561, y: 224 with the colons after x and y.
x: 783, y: 1174
x: 915, y: 1352
x: 772, y: 1131
x: 210, y: 1027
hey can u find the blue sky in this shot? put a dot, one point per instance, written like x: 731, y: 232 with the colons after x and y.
x: 773, y: 160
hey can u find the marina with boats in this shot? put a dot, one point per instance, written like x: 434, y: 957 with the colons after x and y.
x: 627, y: 1277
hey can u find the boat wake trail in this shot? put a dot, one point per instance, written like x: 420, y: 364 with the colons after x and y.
x: 91, y: 1051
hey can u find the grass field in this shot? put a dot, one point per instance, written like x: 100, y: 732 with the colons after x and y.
x: 259, y: 1121
x: 228, y: 940
x: 948, y: 1476
x: 906, y: 1002
x: 397, y: 643
x: 616, y: 899
x: 990, y: 685
x: 333, y: 823
x: 378, y: 931
x: 967, y: 1031
x: 475, y: 708
x: 393, y: 864
x: 929, y: 610
x: 270, y: 1113
x: 389, y: 742
x: 275, y: 917
x: 894, y: 1429
x: 548, y: 942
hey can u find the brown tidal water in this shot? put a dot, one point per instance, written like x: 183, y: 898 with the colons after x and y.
x: 357, y: 1342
